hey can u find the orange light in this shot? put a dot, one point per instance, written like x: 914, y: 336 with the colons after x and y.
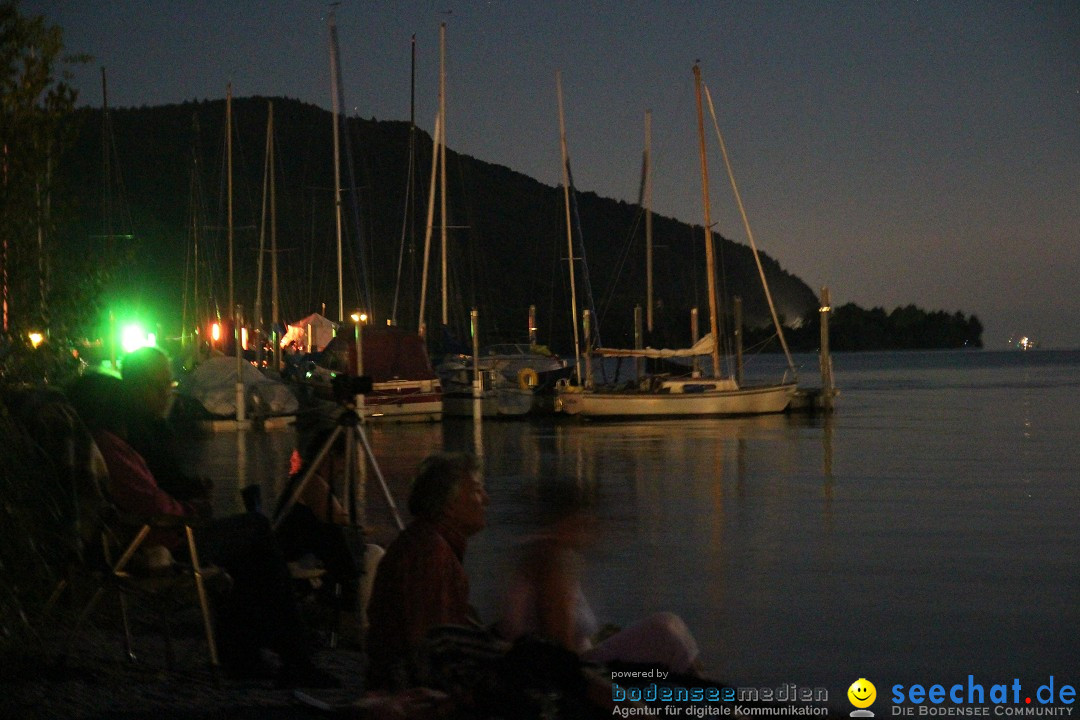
x: 215, y: 332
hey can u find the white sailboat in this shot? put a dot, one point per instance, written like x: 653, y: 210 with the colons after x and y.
x: 666, y: 396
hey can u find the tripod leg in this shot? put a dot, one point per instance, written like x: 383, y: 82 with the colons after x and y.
x: 299, y: 489
x: 382, y: 481
x: 349, y: 490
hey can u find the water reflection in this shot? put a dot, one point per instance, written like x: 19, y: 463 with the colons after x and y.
x: 929, y: 524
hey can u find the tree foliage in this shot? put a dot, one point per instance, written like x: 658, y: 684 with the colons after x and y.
x: 42, y: 290
x: 905, y: 328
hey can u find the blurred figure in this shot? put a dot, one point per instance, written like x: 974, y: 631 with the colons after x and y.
x: 545, y: 598
x: 420, y: 583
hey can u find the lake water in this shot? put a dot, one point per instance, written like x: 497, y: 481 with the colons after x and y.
x: 928, y: 530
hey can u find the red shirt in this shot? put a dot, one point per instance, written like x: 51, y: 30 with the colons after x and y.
x: 132, y: 488
x: 420, y: 584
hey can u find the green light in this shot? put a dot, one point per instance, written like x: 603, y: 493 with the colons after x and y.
x: 134, y: 336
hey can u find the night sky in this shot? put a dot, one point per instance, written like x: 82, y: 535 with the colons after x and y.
x: 898, y: 152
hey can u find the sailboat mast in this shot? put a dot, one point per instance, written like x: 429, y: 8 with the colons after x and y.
x: 710, y: 260
x: 569, y: 225
x: 260, y: 262
x: 275, y: 310
x: 648, y: 224
x: 750, y: 237
x: 421, y: 324
x: 234, y: 309
x: 334, y: 80
x: 408, y: 225
x: 442, y: 169
x: 229, y: 193
x: 106, y: 129
x: 195, y: 274
x: 197, y: 315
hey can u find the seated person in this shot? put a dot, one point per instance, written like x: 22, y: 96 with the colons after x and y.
x: 420, y: 583
x: 545, y: 597
x: 147, y: 384
x: 261, y: 612
x: 317, y: 525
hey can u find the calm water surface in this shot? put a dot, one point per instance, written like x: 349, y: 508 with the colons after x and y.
x: 928, y: 530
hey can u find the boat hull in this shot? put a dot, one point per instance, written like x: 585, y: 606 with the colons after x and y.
x: 404, y: 401
x: 761, y: 400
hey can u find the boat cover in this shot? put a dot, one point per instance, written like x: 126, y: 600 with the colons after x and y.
x: 390, y: 354
x: 213, y: 385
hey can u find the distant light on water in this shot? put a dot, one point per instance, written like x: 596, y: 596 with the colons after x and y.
x: 1023, y: 342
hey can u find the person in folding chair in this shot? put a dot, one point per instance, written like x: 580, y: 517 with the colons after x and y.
x: 261, y: 612
x: 148, y: 384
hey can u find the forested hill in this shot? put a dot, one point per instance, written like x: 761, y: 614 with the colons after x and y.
x: 507, y: 234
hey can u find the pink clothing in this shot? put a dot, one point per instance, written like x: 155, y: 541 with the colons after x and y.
x: 661, y: 639
x: 545, y: 599
x: 132, y: 488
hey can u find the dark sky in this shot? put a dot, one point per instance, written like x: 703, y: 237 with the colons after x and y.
x: 898, y: 152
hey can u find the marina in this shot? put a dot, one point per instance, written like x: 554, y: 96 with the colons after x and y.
x: 923, y: 532
x: 636, y: 379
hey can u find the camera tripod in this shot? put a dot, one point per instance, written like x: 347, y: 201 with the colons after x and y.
x: 350, y: 423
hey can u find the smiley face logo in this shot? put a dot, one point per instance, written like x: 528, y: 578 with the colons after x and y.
x: 862, y: 693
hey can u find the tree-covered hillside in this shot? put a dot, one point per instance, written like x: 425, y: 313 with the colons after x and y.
x: 507, y: 237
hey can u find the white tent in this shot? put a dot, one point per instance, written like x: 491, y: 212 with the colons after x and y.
x: 310, y: 334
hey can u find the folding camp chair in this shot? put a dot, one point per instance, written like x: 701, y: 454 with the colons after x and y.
x: 74, y: 479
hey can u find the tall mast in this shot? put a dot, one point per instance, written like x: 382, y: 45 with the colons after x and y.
x: 421, y: 324
x: 442, y: 168
x: 648, y: 224
x: 234, y: 309
x: 228, y: 192
x: 268, y: 198
x: 408, y: 225
x: 197, y: 315
x: 750, y: 237
x: 334, y: 87
x: 569, y: 226
x: 260, y: 319
x: 275, y: 311
x: 710, y: 260
x: 195, y: 269
x: 106, y: 130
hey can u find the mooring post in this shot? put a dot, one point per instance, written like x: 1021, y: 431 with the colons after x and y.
x: 586, y: 322
x: 694, y: 337
x: 737, y: 322
x: 639, y: 341
x: 827, y: 388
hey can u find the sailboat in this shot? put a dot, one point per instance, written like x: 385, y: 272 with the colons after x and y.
x: 667, y: 396
x: 474, y: 383
x: 405, y: 387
